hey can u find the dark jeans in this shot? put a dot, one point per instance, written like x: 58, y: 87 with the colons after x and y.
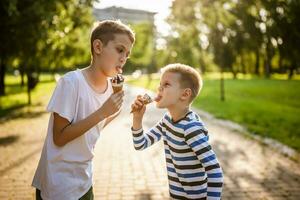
x: 87, y: 196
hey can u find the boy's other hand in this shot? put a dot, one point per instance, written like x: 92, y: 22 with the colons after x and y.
x: 138, y: 107
x: 113, y: 104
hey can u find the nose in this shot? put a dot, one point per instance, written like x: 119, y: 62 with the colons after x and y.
x: 160, y: 88
x: 123, y: 58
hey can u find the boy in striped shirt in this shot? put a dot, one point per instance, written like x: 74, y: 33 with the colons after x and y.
x: 193, y: 169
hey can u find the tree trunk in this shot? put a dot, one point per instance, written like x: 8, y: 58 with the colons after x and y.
x: 243, y: 64
x: 257, y: 59
x: 291, y: 70
x: 22, y: 73
x: 28, y: 90
x: 267, y: 62
x: 2, y: 75
x: 29, y: 96
x: 149, y: 80
x: 222, y: 88
x: 202, y: 65
x: 234, y: 73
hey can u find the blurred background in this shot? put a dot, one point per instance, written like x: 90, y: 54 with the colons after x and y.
x: 247, y: 51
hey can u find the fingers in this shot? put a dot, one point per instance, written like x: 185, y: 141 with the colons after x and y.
x: 138, y: 104
x: 117, y: 97
x: 115, y: 101
x: 119, y: 94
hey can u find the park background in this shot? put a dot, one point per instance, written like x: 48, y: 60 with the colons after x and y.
x: 247, y: 52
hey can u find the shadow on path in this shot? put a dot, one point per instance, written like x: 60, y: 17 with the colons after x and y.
x: 21, y: 115
x: 245, y: 173
x: 20, y: 161
x: 8, y: 140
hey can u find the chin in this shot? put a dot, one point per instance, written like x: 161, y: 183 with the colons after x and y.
x: 159, y: 105
x: 115, y: 73
x: 110, y: 74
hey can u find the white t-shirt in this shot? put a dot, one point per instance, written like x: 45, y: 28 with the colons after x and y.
x: 65, y: 173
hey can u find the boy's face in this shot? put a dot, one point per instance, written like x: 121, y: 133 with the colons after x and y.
x: 114, y: 54
x: 169, y: 91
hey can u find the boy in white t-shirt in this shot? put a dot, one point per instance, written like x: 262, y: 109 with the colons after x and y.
x: 82, y: 104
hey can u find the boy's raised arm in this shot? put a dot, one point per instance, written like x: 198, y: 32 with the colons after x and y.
x: 143, y: 140
x: 138, y: 114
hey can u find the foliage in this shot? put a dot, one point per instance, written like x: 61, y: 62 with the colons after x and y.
x: 40, y: 34
x: 16, y: 98
x: 142, y: 54
x: 242, y: 36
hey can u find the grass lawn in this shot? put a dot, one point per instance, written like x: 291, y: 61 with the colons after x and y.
x: 16, y: 95
x: 270, y: 108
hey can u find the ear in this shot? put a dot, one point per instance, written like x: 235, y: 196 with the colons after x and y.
x: 186, y: 94
x: 97, y: 46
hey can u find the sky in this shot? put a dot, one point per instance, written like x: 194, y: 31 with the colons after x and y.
x: 161, y: 7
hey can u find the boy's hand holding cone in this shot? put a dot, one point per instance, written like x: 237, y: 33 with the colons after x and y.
x: 146, y: 99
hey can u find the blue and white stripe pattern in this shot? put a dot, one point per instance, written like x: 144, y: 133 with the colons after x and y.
x: 193, y: 169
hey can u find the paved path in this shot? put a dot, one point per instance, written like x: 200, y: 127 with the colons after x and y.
x: 252, y: 171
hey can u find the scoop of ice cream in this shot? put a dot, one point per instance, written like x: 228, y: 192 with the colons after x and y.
x: 117, y: 83
x: 117, y: 80
x: 147, y: 99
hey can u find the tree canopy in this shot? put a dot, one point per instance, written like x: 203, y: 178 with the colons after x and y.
x: 43, y: 35
x: 259, y: 37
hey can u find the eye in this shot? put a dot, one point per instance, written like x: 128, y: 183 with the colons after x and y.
x: 120, y: 50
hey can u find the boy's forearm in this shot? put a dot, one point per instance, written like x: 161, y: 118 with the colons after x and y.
x: 77, y: 129
x: 109, y: 119
x: 137, y: 123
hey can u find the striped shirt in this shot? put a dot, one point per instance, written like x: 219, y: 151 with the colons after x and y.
x: 193, y: 169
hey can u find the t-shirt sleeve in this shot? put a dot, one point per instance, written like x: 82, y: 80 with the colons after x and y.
x: 63, y: 100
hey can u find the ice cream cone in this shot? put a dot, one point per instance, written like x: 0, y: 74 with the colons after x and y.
x: 117, y: 83
x: 117, y: 88
x: 146, y: 100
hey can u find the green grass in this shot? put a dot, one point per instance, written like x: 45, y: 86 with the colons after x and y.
x: 16, y: 95
x: 270, y: 108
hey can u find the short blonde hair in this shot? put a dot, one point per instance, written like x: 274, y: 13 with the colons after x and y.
x: 106, y: 30
x: 189, y: 77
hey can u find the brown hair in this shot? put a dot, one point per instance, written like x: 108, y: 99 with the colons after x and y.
x: 189, y: 77
x: 105, y: 30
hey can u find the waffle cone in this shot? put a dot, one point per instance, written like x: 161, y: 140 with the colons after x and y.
x: 147, y: 99
x: 117, y: 88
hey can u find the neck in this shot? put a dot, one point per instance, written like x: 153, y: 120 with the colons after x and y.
x: 179, y: 112
x: 96, y: 78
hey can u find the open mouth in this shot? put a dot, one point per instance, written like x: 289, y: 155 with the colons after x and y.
x: 119, y: 69
x: 158, y: 98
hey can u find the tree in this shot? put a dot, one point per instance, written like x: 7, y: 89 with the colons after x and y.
x: 239, y: 34
x: 37, y: 28
x: 144, y: 49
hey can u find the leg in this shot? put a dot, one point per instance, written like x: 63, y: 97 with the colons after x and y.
x: 89, y: 195
x: 38, y: 195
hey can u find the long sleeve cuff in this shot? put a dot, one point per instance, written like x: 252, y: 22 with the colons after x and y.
x: 136, y: 131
